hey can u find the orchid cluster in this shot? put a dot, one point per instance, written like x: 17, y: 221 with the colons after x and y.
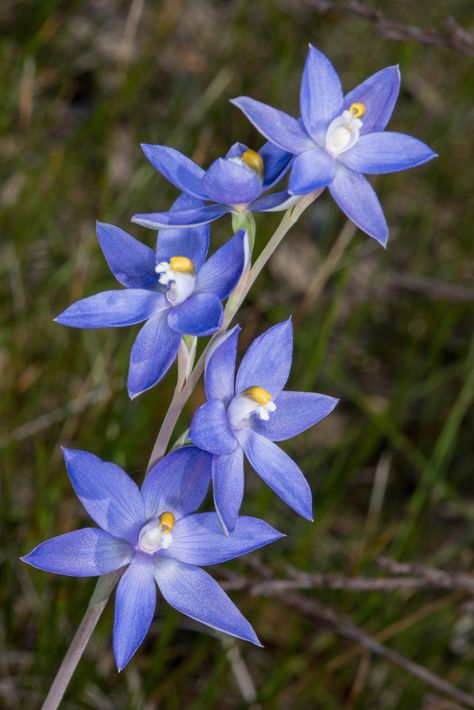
x: 153, y: 536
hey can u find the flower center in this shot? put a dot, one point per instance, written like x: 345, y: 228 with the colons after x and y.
x: 343, y: 132
x: 253, y: 400
x: 156, y: 535
x: 179, y: 275
x: 252, y: 160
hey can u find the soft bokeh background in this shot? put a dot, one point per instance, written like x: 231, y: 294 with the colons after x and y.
x: 83, y: 83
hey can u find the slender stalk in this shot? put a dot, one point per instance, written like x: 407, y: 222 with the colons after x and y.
x: 99, y: 599
x: 106, y: 584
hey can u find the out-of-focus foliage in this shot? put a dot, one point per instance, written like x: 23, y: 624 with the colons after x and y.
x: 83, y: 83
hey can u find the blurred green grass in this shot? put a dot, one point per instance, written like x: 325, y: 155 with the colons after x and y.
x: 77, y: 99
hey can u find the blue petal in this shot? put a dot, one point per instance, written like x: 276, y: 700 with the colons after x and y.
x: 221, y: 273
x: 83, y: 553
x: 131, y: 262
x: 236, y: 150
x: 220, y: 367
x: 201, y: 314
x: 275, y: 164
x: 231, y: 183
x: 185, y: 218
x: 152, y: 354
x: 274, y: 203
x: 135, y: 601
x: 311, y: 170
x: 195, y: 593
x: 228, y: 485
x: 295, y: 412
x: 377, y: 153
x: 178, y: 482
x: 358, y: 201
x: 110, y: 497
x: 198, y: 539
x: 192, y: 242
x: 111, y: 309
x: 321, y: 94
x: 379, y: 95
x: 267, y: 362
x: 210, y: 429
x: 278, y: 127
x: 177, y: 168
x: 278, y: 471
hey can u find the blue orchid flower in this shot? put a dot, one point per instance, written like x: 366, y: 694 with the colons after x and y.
x: 175, y: 290
x: 248, y: 416
x: 233, y: 184
x: 157, y: 535
x: 338, y: 138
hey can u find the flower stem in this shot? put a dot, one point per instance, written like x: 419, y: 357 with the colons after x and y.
x: 107, y: 582
x: 99, y: 599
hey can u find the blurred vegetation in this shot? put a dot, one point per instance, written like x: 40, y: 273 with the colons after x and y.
x: 391, y: 335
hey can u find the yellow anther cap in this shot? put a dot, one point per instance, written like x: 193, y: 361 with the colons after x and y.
x: 182, y: 264
x: 357, y: 110
x: 167, y: 522
x: 258, y: 394
x: 254, y: 160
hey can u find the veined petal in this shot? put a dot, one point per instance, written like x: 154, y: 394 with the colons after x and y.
x: 210, y: 429
x: 178, y: 482
x: 228, y: 487
x: 110, y: 309
x: 185, y: 218
x: 231, y: 183
x: 177, y: 168
x: 386, y: 152
x: 321, y: 96
x: 358, y: 201
x: 295, y: 412
x: 135, y: 601
x: 278, y: 471
x: 196, y: 594
x: 274, y: 203
x: 275, y: 164
x: 221, y: 273
x: 278, y: 127
x: 267, y: 362
x: 131, y: 262
x: 198, y: 539
x: 220, y: 367
x: 192, y: 242
x: 82, y: 553
x: 152, y: 354
x: 379, y: 95
x: 311, y: 170
x: 200, y: 314
x: 110, y: 497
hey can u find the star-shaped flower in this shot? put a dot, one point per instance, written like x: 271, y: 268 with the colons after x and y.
x: 338, y: 138
x: 175, y: 290
x: 156, y: 534
x: 235, y: 183
x: 249, y: 415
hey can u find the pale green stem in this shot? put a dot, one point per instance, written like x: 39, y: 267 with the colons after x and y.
x: 106, y: 584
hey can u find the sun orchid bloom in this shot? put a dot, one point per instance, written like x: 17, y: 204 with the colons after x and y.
x: 157, y: 535
x: 246, y: 413
x: 234, y: 183
x: 339, y: 138
x: 175, y: 290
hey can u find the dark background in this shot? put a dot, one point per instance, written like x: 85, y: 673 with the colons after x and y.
x: 83, y: 83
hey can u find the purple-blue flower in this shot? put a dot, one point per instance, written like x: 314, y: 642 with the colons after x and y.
x: 232, y: 184
x: 175, y: 290
x: 157, y: 535
x: 338, y: 138
x: 247, y: 413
